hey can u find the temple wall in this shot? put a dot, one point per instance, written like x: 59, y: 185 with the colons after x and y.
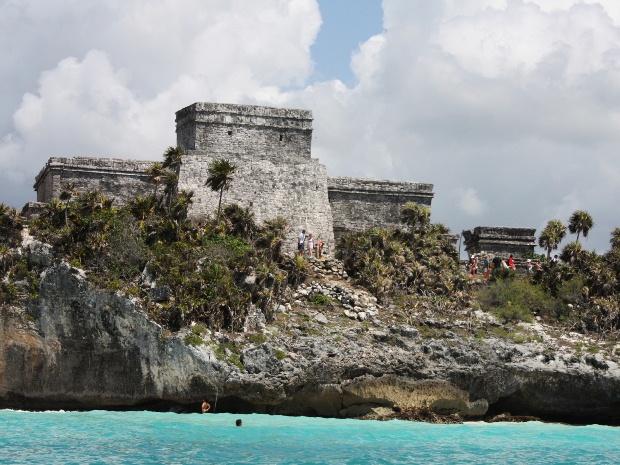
x: 226, y: 129
x: 121, y: 179
x: 270, y: 186
x: 358, y: 204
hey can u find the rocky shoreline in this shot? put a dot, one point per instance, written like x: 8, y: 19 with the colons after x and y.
x: 76, y: 347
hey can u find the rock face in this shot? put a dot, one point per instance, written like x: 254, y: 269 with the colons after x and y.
x: 77, y: 347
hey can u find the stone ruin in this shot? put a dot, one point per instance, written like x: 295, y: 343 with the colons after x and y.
x: 276, y: 174
x: 497, y: 240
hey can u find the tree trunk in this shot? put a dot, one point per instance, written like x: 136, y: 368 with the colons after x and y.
x: 219, y: 206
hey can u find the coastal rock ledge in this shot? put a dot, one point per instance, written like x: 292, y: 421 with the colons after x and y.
x: 76, y: 347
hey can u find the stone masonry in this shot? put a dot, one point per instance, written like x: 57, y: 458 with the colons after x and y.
x: 275, y: 176
x: 358, y: 204
x: 499, y: 241
x: 121, y: 179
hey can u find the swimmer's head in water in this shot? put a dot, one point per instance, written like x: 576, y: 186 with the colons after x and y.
x: 238, y: 423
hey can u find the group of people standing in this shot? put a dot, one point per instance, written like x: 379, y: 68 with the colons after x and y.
x: 315, y: 249
x: 496, y: 263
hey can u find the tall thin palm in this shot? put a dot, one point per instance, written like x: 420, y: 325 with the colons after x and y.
x: 68, y: 192
x: 181, y: 205
x: 171, y: 181
x: 580, y: 222
x: 551, y: 236
x: 220, y: 179
x: 173, y: 158
x: 155, y: 174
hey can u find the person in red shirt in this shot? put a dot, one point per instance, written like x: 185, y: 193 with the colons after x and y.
x: 511, y: 262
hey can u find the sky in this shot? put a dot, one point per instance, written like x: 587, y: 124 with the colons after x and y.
x: 511, y: 108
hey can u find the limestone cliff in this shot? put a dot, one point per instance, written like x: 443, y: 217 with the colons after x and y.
x: 77, y: 347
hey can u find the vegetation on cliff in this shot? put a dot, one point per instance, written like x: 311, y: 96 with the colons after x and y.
x: 215, y: 273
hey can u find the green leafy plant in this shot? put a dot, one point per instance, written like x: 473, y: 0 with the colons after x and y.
x: 320, y: 300
x: 516, y: 300
x: 193, y: 340
x: 256, y: 338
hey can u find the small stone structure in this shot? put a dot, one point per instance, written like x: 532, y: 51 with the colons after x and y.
x: 498, y: 240
x: 276, y: 174
x: 359, y: 204
x: 121, y: 179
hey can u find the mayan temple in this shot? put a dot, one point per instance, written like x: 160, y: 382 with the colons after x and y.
x: 276, y: 174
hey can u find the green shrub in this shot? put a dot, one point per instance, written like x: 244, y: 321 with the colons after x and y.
x: 193, y: 340
x: 232, y: 358
x: 256, y: 338
x: 199, y: 330
x: 516, y: 300
x: 390, y: 263
x: 320, y: 300
x: 279, y: 354
x: 8, y: 293
x: 20, y: 271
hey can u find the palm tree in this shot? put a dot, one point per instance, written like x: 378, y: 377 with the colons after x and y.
x: 92, y: 202
x: 241, y: 221
x: 171, y: 181
x: 551, y: 236
x: 416, y: 216
x: 54, y: 212
x: 181, y: 205
x: 572, y: 253
x: 155, y: 174
x: 67, y: 193
x: 220, y: 179
x: 10, y: 225
x: 173, y: 158
x: 580, y: 222
x: 271, y: 236
x: 142, y: 207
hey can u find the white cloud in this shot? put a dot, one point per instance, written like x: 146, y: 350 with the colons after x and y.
x: 509, y: 107
x: 470, y: 203
x: 517, y: 99
x: 104, y: 79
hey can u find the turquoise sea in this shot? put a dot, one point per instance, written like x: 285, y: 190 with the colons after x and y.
x: 101, y: 437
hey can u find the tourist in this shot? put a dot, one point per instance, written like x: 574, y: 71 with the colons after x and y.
x: 319, y: 248
x: 473, y: 266
x: 238, y: 422
x: 300, y: 242
x: 310, y: 245
x: 206, y: 406
x: 486, y: 267
x: 511, y: 262
x: 497, y: 264
x: 528, y: 266
x: 554, y: 260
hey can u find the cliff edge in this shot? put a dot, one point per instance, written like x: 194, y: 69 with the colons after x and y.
x: 77, y: 347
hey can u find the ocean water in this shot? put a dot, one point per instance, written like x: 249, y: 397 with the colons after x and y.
x: 100, y: 437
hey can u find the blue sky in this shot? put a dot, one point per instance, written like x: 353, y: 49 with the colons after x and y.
x: 346, y: 25
x: 510, y: 108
